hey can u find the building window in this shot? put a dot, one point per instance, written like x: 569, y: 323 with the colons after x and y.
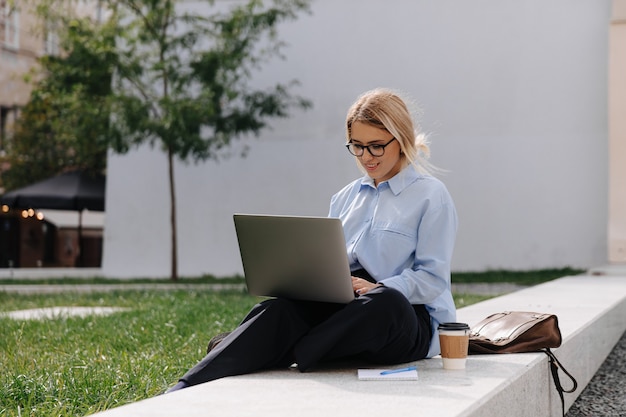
x: 9, y: 25
x: 4, y: 116
x: 51, y: 46
x: 3, y: 20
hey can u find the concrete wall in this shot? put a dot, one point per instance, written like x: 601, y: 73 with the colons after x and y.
x: 617, y: 134
x: 513, y: 95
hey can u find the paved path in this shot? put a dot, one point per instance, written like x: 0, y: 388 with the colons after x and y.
x: 87, y: 288
x: 60, y: 312
x: 478, y: 288
x: 605, y: 395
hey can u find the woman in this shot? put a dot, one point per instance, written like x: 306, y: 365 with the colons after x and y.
x: 400, y: 227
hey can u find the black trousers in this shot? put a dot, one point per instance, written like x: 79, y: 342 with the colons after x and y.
x: 380, y: 327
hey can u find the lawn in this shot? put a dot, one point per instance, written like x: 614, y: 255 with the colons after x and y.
x: 78, y: 366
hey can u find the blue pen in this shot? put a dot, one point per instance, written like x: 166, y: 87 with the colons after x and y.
x: 395, y: 371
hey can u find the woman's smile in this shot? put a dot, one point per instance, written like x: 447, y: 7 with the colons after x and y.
x: 370, y: 167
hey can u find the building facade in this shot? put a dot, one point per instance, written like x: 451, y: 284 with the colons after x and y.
x: 21, y: 42
x: 25, y: 240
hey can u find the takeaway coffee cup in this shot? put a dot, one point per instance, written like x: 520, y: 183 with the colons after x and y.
x: 454, y: 340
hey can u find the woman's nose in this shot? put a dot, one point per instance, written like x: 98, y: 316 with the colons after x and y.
x: 367, y: 155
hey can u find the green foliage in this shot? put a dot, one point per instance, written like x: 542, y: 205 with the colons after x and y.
x: 182, y: 79
x: 65, y: 123
x: 152, y: 73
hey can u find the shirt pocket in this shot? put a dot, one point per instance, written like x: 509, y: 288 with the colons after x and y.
x: 395, y: 242
x: 395, y: 230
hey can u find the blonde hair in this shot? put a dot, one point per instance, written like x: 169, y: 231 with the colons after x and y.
x: 384, y: 109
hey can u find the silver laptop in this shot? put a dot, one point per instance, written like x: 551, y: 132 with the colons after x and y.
x: 301, y: 258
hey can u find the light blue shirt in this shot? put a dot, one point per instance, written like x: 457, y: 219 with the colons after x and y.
x: 403, y: 232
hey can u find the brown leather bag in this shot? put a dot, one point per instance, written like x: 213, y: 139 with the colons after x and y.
x: 518, y: 332
x: 515, y: 332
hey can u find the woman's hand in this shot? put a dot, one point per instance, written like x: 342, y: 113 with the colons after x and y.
x: 362, y: 286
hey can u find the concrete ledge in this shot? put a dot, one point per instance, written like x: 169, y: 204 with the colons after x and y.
x: 591, y: 311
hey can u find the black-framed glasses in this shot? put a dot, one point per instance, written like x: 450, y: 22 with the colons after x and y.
x: 374, y: 150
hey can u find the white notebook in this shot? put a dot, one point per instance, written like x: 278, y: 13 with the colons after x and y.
x: 400, y: 374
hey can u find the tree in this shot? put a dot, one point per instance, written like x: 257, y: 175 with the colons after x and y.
x: 181, y: 79
x: 65, y: 123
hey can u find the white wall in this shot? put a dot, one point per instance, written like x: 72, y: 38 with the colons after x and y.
x: 514, y: 97
x: 617, y: 134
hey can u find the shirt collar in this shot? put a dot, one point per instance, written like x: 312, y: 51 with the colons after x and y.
x: 398, y: 182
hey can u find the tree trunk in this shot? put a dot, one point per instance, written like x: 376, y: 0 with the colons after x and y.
x: 170, y: 162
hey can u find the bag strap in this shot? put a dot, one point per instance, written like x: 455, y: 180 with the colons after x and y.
x: 554, y: 367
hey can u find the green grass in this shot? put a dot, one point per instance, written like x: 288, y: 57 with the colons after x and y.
x: 78, y: 366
